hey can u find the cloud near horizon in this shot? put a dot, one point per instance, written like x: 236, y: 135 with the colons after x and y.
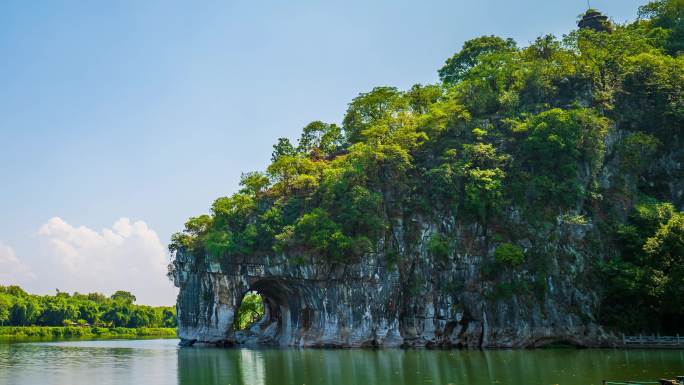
x: 128, y: 256
x: 12, y: 270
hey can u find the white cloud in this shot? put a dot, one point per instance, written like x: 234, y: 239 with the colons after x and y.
x: 129, y: 256
x: 12, y: 270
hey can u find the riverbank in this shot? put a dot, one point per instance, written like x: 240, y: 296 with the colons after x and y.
x: 83, y: 331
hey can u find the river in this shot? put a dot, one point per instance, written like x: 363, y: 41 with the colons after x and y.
x: 160, y: 361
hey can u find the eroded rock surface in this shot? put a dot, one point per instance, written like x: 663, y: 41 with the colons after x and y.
x: 417, y: 302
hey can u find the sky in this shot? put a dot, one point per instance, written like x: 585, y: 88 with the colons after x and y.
x: 121, y: 119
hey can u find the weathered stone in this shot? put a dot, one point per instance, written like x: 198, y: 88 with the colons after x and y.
x: 372, y: 304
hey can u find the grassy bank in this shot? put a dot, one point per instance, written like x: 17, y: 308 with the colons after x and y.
x: 86, y: 331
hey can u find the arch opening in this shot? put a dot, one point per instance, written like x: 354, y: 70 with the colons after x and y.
x: 263, y: 315
x: 251, y: 310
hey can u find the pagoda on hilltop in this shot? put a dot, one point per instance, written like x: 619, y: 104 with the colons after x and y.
x: 595, y: 20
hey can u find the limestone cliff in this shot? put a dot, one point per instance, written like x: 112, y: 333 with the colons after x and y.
x: 420, y: 302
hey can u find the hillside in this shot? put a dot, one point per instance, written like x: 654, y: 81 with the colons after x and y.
x: 534, y: 194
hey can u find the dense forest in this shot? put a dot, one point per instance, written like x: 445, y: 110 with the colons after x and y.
x: 583, y: 129
x: 18, y: 308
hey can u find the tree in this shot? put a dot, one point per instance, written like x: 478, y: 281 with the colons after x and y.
x: 481, y: 168
x: 420, y: 97
x: 195, y: 227
x: 89, y: 311
x: 57, y: 311
x: 282, y: 148
x: 25, y: 311
x: 324, y: 137
x: 22, y: 309
x: 141, y: 316
x: 458, y: 65
x: 371, y: 108
x: 558, y: 142
x: 651, y: 98
x: 5, y: 306
x: 117, y: 314
x: 669, y: 15
x: 665, y: 249
x: 123, y: 296
x: 647, y: 276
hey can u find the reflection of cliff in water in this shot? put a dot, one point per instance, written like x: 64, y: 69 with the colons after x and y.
x: 397, y: 367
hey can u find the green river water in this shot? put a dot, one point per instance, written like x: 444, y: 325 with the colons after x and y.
x: 151, y: 362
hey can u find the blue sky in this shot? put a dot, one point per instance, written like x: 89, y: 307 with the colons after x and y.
x: 149, y: 110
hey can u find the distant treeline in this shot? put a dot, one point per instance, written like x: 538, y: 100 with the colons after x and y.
x: 83, y: 331
x: 18, y: 308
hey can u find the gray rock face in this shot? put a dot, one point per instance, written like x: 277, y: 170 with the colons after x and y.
x: 418, y: 302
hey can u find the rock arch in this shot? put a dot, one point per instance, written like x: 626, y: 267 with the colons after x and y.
x: 275, y: 323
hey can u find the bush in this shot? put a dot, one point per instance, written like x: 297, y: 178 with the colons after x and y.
x: 438, y: 246
x: 509, y: 255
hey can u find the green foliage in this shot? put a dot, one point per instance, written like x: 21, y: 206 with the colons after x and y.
x: 319, y: 137
x: 421, y: 98
x: 646, y: 280
x: 372, y: 108
x: 282, y: 149
x: 481, y: 168
x: 83, y: 331
x: 17, y: 308
x: 5, y: 306
x: 254, y: 183
x: 651, y: 97
x: 123, y: 296
x: 669, y: 16
x: 317, y: 232
x: 558, y: 142
x: 458, y: 65
x: 251, y: 310
x: 508, y: 254
x: 194, y: 228
x: 439, y: 246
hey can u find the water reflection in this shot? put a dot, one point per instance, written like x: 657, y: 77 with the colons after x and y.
x: 294, y: 366
x: 252, y: 367
x: 162, y: 362
x: 87, y: 362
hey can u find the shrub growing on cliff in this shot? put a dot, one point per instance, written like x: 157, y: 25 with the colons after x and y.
x: 508, y: 254
x: 439, y: 246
